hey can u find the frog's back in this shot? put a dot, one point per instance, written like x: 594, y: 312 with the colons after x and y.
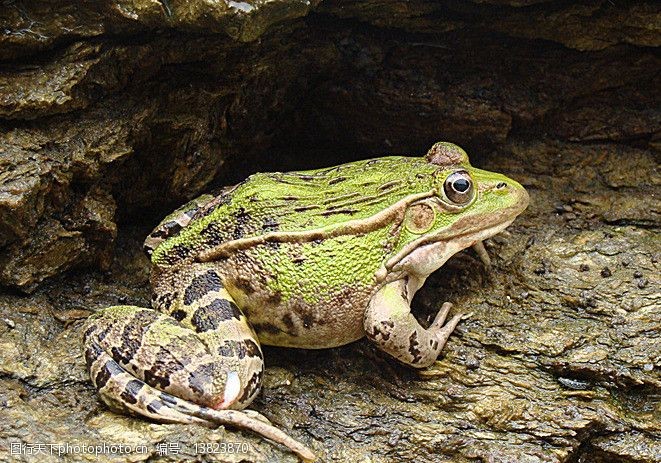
x: 297, y: 202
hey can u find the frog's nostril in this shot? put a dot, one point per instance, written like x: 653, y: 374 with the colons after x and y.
x: 501, y: 185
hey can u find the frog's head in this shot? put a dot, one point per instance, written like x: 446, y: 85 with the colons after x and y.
x: 469, y: 205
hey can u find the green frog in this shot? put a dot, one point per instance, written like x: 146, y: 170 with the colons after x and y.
x: 312, y: 260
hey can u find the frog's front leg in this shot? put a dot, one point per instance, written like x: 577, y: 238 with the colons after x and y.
x: 201, y: 363
x: 390, y: 324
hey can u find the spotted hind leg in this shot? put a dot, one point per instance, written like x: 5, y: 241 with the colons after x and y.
x: 198, y: 364
x: 123, y: 392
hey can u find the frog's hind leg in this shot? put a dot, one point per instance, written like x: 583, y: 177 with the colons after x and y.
x: 205, y: 309
x: 203, y: 353
x: 123, y: 392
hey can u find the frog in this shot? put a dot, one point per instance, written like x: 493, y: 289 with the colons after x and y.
x: 308, y: 259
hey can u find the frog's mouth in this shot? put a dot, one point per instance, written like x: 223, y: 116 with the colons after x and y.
x: 427, y: 254
x: 430, y: 257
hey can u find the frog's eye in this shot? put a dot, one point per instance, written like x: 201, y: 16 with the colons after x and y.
x: 458, y: 187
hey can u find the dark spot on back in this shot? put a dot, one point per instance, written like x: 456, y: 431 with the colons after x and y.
x: 103, y: 333
x: 164, y: 301
x: 211, y: 234
x: 267, y: 327
x: 211, y: 316
x: 178, y: 315
x: 239, y: 349
x: 134, y: 330
x: 113, y: 368
x: 270, y: 224
x: 102, y: 377
x: 304, y: 314
x: 252, y: 349
x: 220, y: 200
x: 305, y: 208
x: 241, y: 222
x: 177, y: 253
x: 227, y: 349
x: 274, y: 299
x: 252, y: 386
x: 168, y: 399
x: 339, y: 211
x: 272, y: 245
x: 244, y: 285
x: 384, y: 329
x: 337, y: 180
x: 201, y: 285
x: 308, y: 320
x: 171, y: 228
x: 90, y: 329
x: 92, y: 352
x: 159, y: 374
x: 288, y: 321
x: 158, y: 234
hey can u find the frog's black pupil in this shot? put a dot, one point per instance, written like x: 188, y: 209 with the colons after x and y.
x: 461, y: 185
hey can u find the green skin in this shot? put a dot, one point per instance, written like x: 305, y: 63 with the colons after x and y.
x: 310, y: 259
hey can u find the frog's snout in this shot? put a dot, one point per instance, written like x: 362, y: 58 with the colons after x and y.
x: 521, y: 197
x: 516, y: 197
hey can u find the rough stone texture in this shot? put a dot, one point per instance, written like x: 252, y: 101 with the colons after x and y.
x: 114, y: 113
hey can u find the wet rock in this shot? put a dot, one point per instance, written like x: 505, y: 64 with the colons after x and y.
x: 100, y: 116
x: 579, y: 25
x: 83, y: 236
x: 34, y: 26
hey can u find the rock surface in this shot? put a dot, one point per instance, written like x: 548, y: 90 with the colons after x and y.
x: 113, y: 113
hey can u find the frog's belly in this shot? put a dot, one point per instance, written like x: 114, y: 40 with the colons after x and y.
x: 333, y: 320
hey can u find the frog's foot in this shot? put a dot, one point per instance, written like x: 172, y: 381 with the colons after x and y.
x: 482, y: 253
x: 391, y: 326
x: 125, y: 393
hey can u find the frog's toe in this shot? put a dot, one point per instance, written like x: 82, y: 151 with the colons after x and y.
x: 442, y: 314
x: 442, y: 333
x: 256, y: 415
x: 482, y: 253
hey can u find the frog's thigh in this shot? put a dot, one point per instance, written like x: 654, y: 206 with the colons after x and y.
x: 210, y: 357
x: 391, y: 326
x: 205, y: 307
x: 124, y: 392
